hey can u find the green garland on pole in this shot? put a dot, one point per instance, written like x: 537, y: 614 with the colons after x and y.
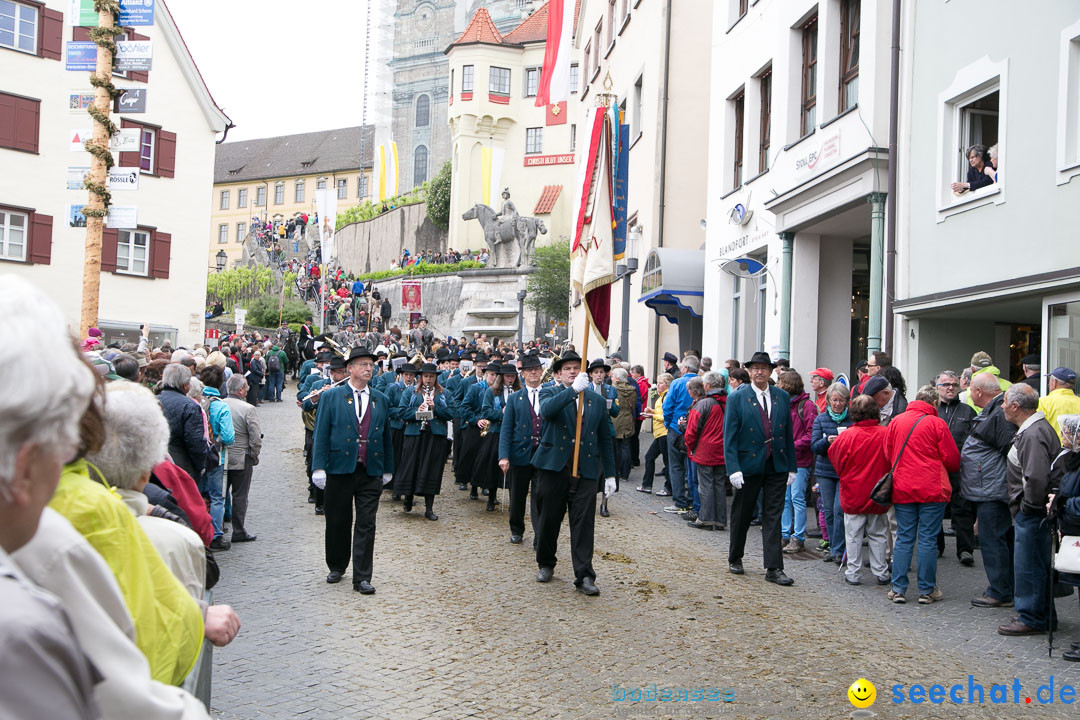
x: 105, y: 38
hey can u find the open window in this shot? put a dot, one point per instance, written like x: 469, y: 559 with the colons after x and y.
x: 978, y: 128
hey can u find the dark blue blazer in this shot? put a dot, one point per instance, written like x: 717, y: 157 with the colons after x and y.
x: 492, y: 410
x: 515, y: 440
x: 411, y: 401
x: 558, y: 408
x: 393, y: 393
x: 744, y: 432
x: 336, y: 439
x: 473, y: 403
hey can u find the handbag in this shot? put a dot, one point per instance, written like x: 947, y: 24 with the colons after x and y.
x: 1067, y: 559
x: 882, y: 492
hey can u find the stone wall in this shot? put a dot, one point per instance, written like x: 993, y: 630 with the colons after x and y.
x: 372, y: 245
x: 459, y: 303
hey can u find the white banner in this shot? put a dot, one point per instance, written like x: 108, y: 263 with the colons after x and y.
x: 122, y: 217
x: 326, y: 207
x: 494, y: 199
x: 123, y: 178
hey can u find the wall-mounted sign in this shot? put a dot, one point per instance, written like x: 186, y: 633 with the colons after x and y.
x: 131, y: 100
x: 81, y: 56
x: 127, y: 140
x: 122, y: 217
x: 819, y: 154
x: 747, y: 241
x: 123, y: 178
x: 540, y: 160
x: 80, y: 100
x: 75, y: 217
x: 75, y: 175
x: 132, y: 13
x: 134, y: 55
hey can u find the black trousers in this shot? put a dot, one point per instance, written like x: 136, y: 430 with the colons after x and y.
x: 342, y: 492
x: 658, y: 448
x: 239, y: 482
x: 963, y: 519
x: 456, y: 449
x: 554, y: 499
x: 522, y: 480
x: 309, y: 442
x: 772, y: 487
x: 635, y: 444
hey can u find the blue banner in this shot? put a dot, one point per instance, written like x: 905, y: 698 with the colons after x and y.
x: 136, y: 12
x: 621, y: 183
x: 81, y: 56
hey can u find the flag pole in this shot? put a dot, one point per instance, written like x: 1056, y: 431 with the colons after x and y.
x: 581, y: 396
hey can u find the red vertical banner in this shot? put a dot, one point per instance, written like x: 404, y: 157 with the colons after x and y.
x: 411, y: 297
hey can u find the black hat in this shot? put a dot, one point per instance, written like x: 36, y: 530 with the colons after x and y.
x: 337, y: 363
x: 761, y: 358
x: 1033, y: 359
x: 407, y: 368
x: 531, y: 361
x: 597, y: 364
x: 508, y: 369
x: 493, y: 367
x: 481, y: 358
x: 324, y: 356
x: 429, y: 368
x: 616, y: 356
x: 360, y: 352
x: 567, y: 357
x: 442, y: 354
x: 349, y: 322
x: 671, y: 358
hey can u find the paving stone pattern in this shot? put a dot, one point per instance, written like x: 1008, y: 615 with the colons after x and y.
x: 459, y: 628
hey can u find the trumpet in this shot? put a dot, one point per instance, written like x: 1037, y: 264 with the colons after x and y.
x: 548, y: 374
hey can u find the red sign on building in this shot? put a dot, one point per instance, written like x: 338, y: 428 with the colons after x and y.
x: 539, y: 160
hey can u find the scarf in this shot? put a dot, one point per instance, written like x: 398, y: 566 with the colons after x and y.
x: 837, y: 418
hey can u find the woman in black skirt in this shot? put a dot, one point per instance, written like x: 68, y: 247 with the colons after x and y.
x: 487, y: 472
x: 423, y: 453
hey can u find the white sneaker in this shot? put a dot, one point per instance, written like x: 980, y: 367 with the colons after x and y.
x: 675, y: 509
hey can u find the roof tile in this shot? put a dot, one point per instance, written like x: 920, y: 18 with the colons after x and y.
x: 481, y: 29
x: 325, y: 151
x: 547, y: 199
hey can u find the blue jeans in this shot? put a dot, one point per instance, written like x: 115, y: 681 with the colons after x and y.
x: 795, y: 507
x: 834, y: 516
x: 275, y: 382
x: 214, y: 489
x: 920, y: 521
x: 1031, y: 571
x: 677, y: 471
x: 691, y: 481
x: 996, y: 543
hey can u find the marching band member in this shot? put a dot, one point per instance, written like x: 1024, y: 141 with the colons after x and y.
x: 488, y: 472
x: 424, y: 450
x: 469, y: 406
x: 406, y: 378
x: 317, y: 373
x: 518, y: 441
x: 309, y: 406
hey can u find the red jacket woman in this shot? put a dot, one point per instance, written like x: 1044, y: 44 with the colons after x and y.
x: 922, y: 476
x: 858, y: 454
x: 706, y: 446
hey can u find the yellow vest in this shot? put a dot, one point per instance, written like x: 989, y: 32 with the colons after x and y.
x: 168, y: 621
x: 1062, y: 401
x: 658, y: 428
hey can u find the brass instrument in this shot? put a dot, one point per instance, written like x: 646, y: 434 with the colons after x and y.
x: 548, y: 374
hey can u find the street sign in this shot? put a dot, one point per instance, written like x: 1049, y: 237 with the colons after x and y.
x: 195, y: 321
x: 123, y: 178
x: 81, y: 56
x: 131, y: 100
x: 239, y: 317
x: 133, y: 13
x: 122, y: 217
x: 133, y: 55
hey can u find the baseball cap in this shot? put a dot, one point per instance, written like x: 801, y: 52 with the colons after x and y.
x: 823, y: 373
x: 981, y: 359
x: 1063, y: 374
x: 875, y: 385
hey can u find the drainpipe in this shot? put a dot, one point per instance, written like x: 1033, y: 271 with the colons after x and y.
x: 877, y: 238
x: 890, y: 217
x: 663, y: 170
x: 788, y: 238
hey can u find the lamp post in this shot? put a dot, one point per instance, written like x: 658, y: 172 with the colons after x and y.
x: 521, y: 318
x: 221, y: 259
x: 624, y: 270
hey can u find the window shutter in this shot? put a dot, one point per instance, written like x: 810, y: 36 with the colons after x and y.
x: 80, y: 34
x: 109, y: 239
x: 40, y: 239
x: 52, y: 34
x: 138, y: 75
x: 166, y: 153
x: 160, y: 251
x: 27, y: 114
x: 129, y: 159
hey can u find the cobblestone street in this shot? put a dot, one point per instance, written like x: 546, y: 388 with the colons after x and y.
x: 459, y: 627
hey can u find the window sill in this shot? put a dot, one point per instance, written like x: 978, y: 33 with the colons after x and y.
x: 637, y: 2
x: 609, y: 48
x: 731, y: 192
x: 625, y: 22
x: 1068, y: 172
x: 21, y: 261
x: 126, y: 273
x: 993, y: 194
x: 833, y: 119
x: 737, y: 21
x: 636, y: 139
x: 763, y: 172
x: 584, y: 93
x: 595, y: 74
x: 804, y: 137
x: 36, y: 53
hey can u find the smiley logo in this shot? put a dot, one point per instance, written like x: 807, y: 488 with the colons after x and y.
x: 862, y: 693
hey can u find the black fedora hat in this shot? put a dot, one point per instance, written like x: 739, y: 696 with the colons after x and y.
x: 597, y: 364
x: 337, y: 363
x: 480, y: 358
x: 570, y: 355
x: 407, y: 368
x: 531, y: 361
x: 360, y: 352
x: 324, y: 356
x: 760, y: 357
x: 493, y: 366
x: 508, y: 368
x: 429, y: 368
x: 442, y: 354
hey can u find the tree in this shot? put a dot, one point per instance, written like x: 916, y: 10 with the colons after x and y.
x: 549, y: 286
x: 438, y: 199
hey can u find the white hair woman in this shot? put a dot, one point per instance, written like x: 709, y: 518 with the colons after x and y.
x: 136, y: 438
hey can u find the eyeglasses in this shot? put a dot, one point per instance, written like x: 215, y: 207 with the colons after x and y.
x: 870, y: 365
x: 948, y: 385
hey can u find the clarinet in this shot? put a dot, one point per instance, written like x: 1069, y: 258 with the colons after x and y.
x: 426, y: 415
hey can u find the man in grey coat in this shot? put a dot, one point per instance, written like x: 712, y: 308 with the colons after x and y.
x: 243, y: 453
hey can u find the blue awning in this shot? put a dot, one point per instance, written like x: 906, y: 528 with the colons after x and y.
x: 673, y: 283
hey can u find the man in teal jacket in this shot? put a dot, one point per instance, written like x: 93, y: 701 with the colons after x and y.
x: 557, y: 491
x: 352, y: 450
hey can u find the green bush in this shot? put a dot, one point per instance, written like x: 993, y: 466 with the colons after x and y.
x: 422, y: 269
x: 369, y: 211
x: 438, y: 199
x: 549, y: 286
x: 263, y: 312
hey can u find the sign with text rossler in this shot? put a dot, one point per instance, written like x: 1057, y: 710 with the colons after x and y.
x: 126, y: 178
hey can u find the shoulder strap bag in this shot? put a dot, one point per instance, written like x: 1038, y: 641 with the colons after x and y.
x: 882, y: 492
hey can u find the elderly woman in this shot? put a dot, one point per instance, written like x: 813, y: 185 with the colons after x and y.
x: 976, y: 175
x: 827, y: 427
x: 1065, y: 506
x: 136, y: 436
x: 187, y: 441
x: 628, y: 394
x: 803, y: 413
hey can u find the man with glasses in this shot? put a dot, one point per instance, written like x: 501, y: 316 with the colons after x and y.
x: 877, y: 362
x: 959, y: 417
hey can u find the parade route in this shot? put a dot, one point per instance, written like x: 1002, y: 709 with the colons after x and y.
x: 460, y: 628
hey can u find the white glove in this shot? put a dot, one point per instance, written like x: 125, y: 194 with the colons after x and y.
x: 736, y: 480
x: 791, y: 478
x: 386, y: 478
x: 609, y: 486
x: 318, y: 479
x: 581, y: 382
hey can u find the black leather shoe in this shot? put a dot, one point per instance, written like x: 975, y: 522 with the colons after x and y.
x: 462, y: 486
x: 333, y: 577
x: 515, y: 539
x: 311, y: 498
x: 430, y: 515
x: 407, y: 506
x: 243, y: 538
x: 490, y: 507
x: 778, y: 577
x: 320, y: 510
x: 588, y: 587
x: 985, y: 601
x: 545, y: 574
x: 364, y: 587
x: 473, y: 495
x: 736, y: 568
x: 1071, y: 655
x: 219, y: 543
x: 604, y: 511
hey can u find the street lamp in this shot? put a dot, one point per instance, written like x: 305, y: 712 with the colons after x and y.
x: 221, y: 259
x: 624, y: 270
x: 521, y: 317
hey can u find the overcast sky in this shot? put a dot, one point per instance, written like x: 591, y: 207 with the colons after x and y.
x: 263, y: 58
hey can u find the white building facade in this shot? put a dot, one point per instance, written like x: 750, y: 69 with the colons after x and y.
x: 154, y: 273
x: 798, y: 170
x: 997, y: 269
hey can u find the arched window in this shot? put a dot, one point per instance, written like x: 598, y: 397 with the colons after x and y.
x: 420, y: 165
x: 423, y: 111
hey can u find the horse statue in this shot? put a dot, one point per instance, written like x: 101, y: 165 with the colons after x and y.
x: 510, y: 241
x: 527, y: 229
